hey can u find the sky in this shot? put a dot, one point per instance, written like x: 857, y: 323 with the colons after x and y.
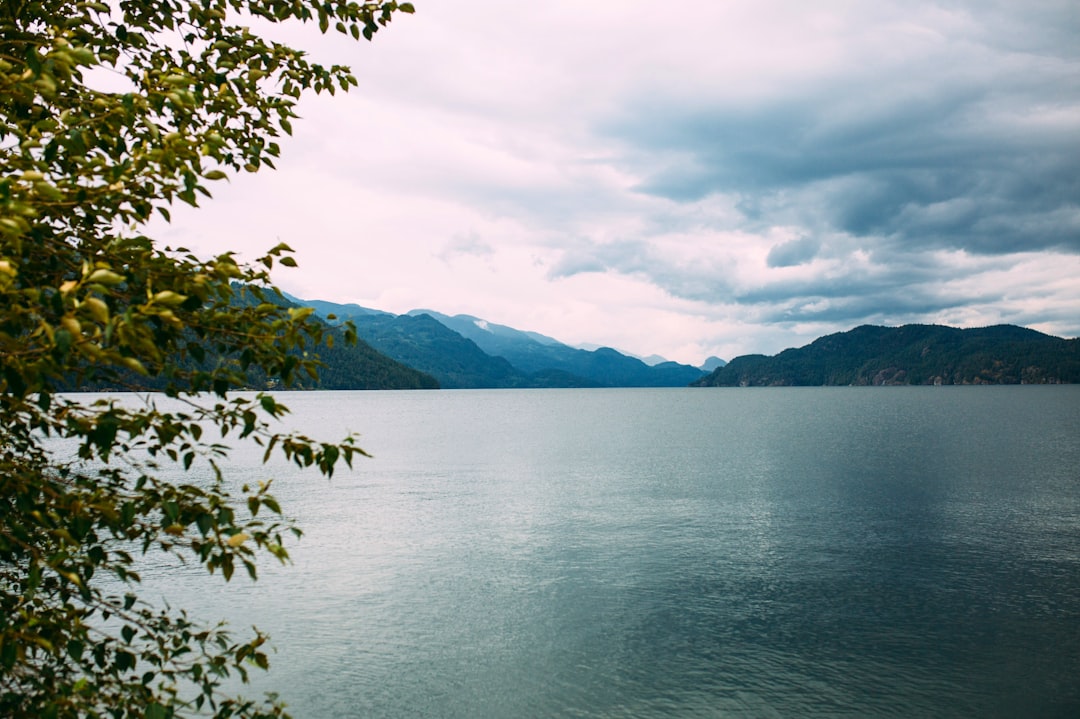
x: 687, y: 178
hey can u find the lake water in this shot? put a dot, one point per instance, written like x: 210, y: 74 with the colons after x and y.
x: 789, y: 552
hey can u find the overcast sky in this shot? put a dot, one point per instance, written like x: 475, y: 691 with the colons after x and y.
x: 686, y: 178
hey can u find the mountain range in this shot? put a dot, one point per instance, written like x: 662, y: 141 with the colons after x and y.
x: 465, y: 352
x: 425, y: 349
x: 911, y: 355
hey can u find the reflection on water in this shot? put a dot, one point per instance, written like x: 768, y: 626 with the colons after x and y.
x: 634, y: 553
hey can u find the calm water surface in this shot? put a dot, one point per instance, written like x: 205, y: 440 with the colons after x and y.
x: 828, y: 552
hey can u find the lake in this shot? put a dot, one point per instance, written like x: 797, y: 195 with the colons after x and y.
x: 788, y: 552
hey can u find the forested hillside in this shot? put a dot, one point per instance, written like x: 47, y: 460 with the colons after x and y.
x: 424, y: 343
x: 346, y: 366
x: 911, y: 355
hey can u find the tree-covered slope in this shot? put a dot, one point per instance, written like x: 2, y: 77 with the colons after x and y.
x: 345, y: 365
x: 911, y: 354
x: 361, y: 366
x: 429, y: 346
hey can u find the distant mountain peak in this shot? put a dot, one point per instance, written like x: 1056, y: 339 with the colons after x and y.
x: 712, y: 363
x: 653, y: 360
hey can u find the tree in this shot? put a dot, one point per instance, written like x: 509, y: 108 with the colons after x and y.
x: 86, y: 297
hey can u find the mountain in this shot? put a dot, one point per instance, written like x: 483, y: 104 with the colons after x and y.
x: 911, y: 355
x: 456, y: 362
x: 533, y: 353
x: 712, y: 363
x: 429, y: 346
x: 324, y: 309
x: 463, y: 351
x: 361, y: 366
x: 490, y: 337
x: 653, y: 360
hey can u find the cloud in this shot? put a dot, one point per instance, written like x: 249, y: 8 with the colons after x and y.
x: 793, y: 252
x: 969, y: 141
x: 716, y: 178
x: 469, y: 245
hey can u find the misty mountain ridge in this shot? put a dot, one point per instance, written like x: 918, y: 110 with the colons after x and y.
x: 323, y: 309
x: 486, y: 334
x: 712, y: 363
x: 497, y: 339
x: 463, y: 351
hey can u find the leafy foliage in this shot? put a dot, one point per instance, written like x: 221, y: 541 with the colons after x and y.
x: 912, y: 354
x: 86, y: 298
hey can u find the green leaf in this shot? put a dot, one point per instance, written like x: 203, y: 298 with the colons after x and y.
x: 155, y: 711
x: 124, y: 660
x: 9, y: 654
x: 63, y: 340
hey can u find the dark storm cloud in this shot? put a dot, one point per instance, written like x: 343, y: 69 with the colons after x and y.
x: 851, y: 300
x: 978, y: 149
x: 930, y: 180
x: 888, y: 285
